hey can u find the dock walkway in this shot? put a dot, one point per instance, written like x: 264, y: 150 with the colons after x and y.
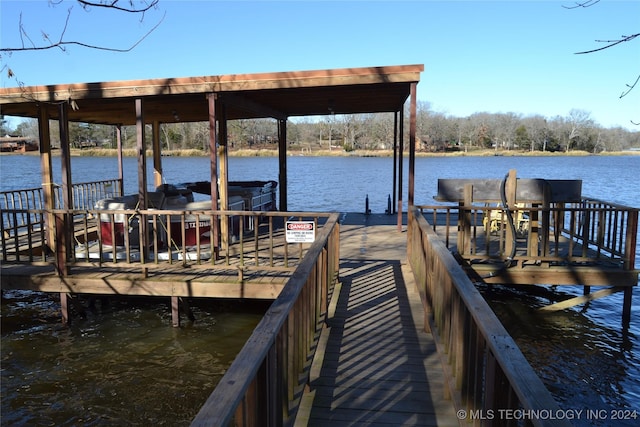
x: 375, y: 365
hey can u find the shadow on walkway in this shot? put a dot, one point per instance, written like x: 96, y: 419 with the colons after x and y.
x: 378, y: 366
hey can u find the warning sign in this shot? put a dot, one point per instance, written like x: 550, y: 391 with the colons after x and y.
x: 300, y: 231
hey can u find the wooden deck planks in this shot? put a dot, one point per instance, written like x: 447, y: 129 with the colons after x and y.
x: 375, y: 365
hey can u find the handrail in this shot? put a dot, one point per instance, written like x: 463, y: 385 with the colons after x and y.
x: 23, y: 242
x: 488, y: 374
x: 261, y: 385
x: 609, y: 228
x: 85, y: 196
x: 108, y: 238
x: 594, y: 229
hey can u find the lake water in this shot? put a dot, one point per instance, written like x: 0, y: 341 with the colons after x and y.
x: 124, y: 364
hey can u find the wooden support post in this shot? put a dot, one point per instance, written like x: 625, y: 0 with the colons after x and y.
x: 142, y: 179
x: 631, y: 235
x: 395, y: 159
x: 461, y: 228
x: 157, y: 155
x: 533, y: 234
x: 61, y: 244
x: 539, y: 224
x: 48, y: 193
x: 412, y: 143
x: 464, y: 221
x: 213, y: 153
x: 400, y: 167
x: 64, y: 307
x: 175, y: 312
x: 223, y: 181
x: 282, y: 164
x: 586, y: 226
x: 61, y: 265
x: 64, y: 224
x: 510, y: 190
x: 141, y: 153
x: 120, y: 160
x: 558, y: 222
x: 65, y: 156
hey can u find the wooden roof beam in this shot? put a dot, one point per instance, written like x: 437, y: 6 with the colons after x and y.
x: 243, y: 103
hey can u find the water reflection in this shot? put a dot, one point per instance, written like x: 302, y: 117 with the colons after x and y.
x: 583, y: 363
x: 121, y: 365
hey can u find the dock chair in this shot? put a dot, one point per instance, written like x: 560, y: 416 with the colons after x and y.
x: 493, y: 219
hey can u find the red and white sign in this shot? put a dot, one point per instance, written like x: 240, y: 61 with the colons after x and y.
x: 300, y: 231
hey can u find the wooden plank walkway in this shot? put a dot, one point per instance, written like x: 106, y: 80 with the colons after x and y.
x: 375, y: 365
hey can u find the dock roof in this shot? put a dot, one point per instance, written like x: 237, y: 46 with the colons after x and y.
x: 279, y: 95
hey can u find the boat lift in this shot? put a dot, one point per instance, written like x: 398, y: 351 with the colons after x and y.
x: 541, y: 232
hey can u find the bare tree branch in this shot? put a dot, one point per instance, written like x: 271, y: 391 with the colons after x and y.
x: 113, y: 4
x: 610, y: 43
x: 630, y: 86
x: 586, y: 3
x: 23, y: 33
x: 61, y: 43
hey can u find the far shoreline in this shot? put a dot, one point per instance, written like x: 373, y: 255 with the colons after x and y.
x: 108, y: 152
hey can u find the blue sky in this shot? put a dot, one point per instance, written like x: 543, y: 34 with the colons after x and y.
x: 500, y: 56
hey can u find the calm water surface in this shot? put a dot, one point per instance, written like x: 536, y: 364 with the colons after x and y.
x: 124, y: 364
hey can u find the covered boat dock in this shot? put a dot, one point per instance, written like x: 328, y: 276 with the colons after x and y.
x: 212, y: 99
x: 30, y: 237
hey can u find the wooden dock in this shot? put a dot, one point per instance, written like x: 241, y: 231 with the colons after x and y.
x: 375, y: 365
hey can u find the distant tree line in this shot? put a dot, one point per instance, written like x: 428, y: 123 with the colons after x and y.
x: 436, y: 132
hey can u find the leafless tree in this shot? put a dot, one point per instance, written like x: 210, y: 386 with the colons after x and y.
x: 504, y: 126
x: 538, y: 132
x: 466, y: 132
x: 352, y: 130
x: 571, y: 129
x: 437, y: 132
x: 301, y: 131
x: 380, y: 126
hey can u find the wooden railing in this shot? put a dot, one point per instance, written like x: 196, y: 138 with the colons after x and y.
x: 262, y: 386
x: 21, y: 209
x: 148, y: 239
x: 489, y: 377
x: 592, y: 229
x: 609, y: 229
x: 86, y: 194
x: 22, y: 233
